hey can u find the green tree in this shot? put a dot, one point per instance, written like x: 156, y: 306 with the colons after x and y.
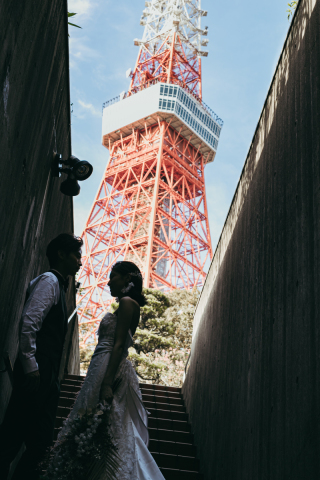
x: 72, y: 14
x: 163, y: 338
x: 87, y: 342
x: 292, y: 6
x: 86, y: 349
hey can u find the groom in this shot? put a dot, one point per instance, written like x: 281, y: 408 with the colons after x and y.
x: 32, y: 408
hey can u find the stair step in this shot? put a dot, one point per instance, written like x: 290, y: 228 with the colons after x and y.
x: 66, y: 404
x: 59, y: 422
x: 71, y: 392
x: 177, y: 462
x: 172, y: 474
x: 69, y: 389
x: 171, y: 440
x: 66, y: 401
x: 160, y: 393
x: 75, y: 385
x: 154, y: 401
x: 80, y: 379
x: 160, y: 400
x: 174, y: 448
x: 159, y: 387
x: 71, y: 385
x: 168, y: 424
x: 170, y: 435
x: 63, y: 411
x: 74, y: 377
x: 168, y: 414
x: 154, y: 433
x: 163, y: 392
x: 164, y: 406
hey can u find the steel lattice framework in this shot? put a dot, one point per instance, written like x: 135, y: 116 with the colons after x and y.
x: 171, y: 45
x: 151, y: 205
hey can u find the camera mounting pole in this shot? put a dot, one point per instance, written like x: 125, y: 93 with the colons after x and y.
x: 56, y: 164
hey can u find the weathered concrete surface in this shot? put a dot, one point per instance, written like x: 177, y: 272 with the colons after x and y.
x: 252, y: 389
x: 34, y: 121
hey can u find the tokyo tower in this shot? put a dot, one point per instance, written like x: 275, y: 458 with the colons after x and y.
x: 151, y: 204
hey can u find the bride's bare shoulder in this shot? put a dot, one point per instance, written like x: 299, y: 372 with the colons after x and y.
x: 128, y: 301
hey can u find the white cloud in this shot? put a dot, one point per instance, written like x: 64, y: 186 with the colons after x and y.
x: 80, y: 50
x: 81, y: 7
x: 88, y: 106
x: 78, y: 43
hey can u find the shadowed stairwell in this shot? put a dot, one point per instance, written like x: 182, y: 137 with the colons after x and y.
x: 171, y: 440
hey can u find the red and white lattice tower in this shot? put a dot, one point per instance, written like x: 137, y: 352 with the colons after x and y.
x: 151, y: 205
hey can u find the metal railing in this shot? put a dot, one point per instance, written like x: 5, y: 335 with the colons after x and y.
x: 111, y: 102
x: 213, y: 114
x: 138, y: 89
x: 129, y: 93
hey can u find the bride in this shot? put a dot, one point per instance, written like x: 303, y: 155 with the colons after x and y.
x: 109, y: 365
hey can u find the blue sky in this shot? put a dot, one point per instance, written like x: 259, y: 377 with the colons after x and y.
x: 245, y: 41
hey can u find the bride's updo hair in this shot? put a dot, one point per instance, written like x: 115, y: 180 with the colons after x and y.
x: 134, y: 292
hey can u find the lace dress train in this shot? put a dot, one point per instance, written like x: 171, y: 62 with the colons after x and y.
x: 128, y: 417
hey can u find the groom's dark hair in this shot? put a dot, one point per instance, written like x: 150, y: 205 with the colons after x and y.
x: 66, y: 242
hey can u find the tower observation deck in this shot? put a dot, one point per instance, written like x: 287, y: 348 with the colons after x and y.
x: 151, y: 205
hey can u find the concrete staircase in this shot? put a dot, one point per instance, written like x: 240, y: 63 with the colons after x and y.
x: 171, y: 440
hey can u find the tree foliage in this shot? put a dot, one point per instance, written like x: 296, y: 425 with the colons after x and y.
x: 163, y: 338
x: 292, y: 6
x: 72, y: 14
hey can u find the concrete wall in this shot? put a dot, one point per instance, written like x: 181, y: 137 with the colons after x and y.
x: 252, y: 388
x: 34, y: 122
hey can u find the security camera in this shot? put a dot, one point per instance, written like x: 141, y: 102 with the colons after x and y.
x: 76, y: 170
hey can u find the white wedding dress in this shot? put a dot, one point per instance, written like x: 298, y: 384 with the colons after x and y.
x: 128, y: 417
